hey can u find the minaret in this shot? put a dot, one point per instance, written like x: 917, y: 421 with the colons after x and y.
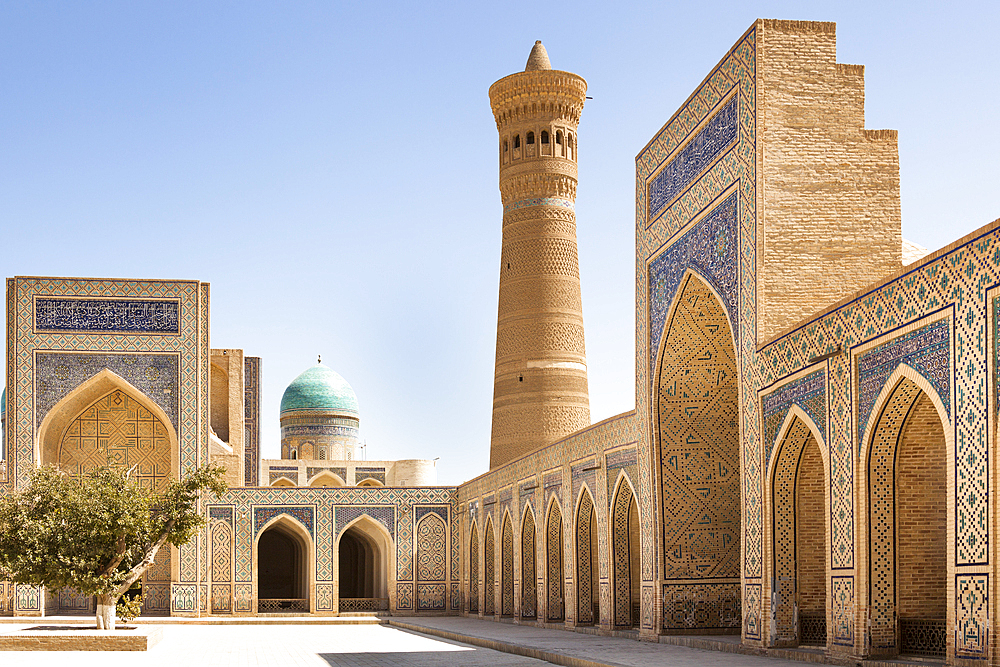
x: 540, y: 382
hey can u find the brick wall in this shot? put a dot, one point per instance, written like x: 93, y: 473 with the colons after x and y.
x: 810, y: 528
x: 831, y: 188
x: 922, y: 516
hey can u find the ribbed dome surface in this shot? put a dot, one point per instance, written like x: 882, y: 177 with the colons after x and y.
x: 320, y: 389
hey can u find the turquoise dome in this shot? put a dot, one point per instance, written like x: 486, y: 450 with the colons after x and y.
x: 320, y: 389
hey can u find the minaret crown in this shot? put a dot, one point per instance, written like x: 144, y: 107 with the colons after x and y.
x: 538, y: 58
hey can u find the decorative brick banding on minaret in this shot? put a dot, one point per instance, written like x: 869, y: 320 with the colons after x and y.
x: 540, y: 383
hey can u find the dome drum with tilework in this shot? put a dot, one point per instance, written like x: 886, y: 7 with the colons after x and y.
x: 319, y: 417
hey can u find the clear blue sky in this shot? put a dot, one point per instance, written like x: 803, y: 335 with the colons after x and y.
x: 331, y: 169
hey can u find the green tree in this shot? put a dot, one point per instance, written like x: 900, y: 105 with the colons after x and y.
x: 99, y: 532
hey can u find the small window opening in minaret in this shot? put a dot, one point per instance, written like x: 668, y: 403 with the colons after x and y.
x: 520, y: 378
x: 531, y: 138
x: 559, y: 138
x: 517, y: 141
x: 508, y: 266
x: 545, y: 137
x: 504, y: 145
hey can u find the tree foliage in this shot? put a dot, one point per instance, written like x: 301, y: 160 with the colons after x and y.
x: 98, y: 532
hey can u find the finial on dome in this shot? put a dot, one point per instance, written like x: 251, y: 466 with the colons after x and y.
x: 538, y: 58
x: 319, y: 359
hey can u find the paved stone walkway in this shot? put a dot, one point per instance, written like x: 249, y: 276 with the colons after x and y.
x: 576, y: 649
x: 282, y: 645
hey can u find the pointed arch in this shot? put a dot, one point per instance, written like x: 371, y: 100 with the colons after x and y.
x: 529, y: 588
x: 474, y: 568
x: 798, y: 502
x: 625, y: 547
x: 904, y: 501
x: 432, y: 562
x: 56, y: 424
x: 507, y: 566
x: 696, y: 431
x: 326, y: 478
x: 555, y: 577
x: 283, y: 558
x: 489, y: 568
x: 365, y: 558
x: 370, y: 482
x: 587, y: 595
x: 283, y: 482
x: 221, y: 540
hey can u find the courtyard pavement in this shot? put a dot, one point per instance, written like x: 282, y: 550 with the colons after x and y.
x: 189, y: 645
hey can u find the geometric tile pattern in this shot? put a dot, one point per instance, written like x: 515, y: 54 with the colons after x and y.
x: 699, y: 440
x: 507, y: 567
x: 118, y: 431
x: 474, y: 570
x: 529, y: 596
x: 705, y: 605
x: 585, y: 593
x: 843, y: 610
x: 432, y: 549
x: 972, y: 622
x: 59, y: 373
x: 489, y: 574
x: 222, y: 566
x: 304, y: 515
x: 927, y: 350
x: 385, y: 515
x: 809, y: 393
x: 621, y: 555
x: 554, y: 557
x: 251, y: 416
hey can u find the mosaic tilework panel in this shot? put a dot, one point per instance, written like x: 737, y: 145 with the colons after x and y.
x: 184, y: 597
x: 191, y: 345
x: 324, y: 597
x: 107, y: 316
x: 927, y: 350
x: 456, y: 596
x: 585, y: 561
x: 432, y: 549
x: 489, y: 569
x: 59, y: 373
x: 27, y: 598
x: 420, y: 512
x: 404, y: 596
x: 220, y: 513
x: 697, y: 413
x: 319, y: 430
x: 304, y: 515
x: 117, y: 431
x: 840, y: 447
x: 243, y: 597
x: 384, y: 514
x: 622, y: 556
x: 718, y: 134
x: 842, y: 588
x: 809, y: 393
x: 701, y: 606
x: 251, y: 420
x: 751, y: 603
x: 361, y: 474
x: 529, y: 573
x: 622, y: 461
x: 710, y: 249
x: 972, y: 615
x: 554, y: 572
x: 432, y: 597
x: 506, y: 567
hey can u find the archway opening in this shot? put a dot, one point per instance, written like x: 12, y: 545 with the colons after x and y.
x: 529, y: 594
x: 625, y: 541
x: 908, y: 526
x: 554, y: 578
x: 326, y: 480
x: 282, y: 571
x: 587, y: 598
x: 798, y: 538
x: 363, y: 569
x: 697, y: 433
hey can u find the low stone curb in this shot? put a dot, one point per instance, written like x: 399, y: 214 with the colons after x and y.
x: 135, y: 639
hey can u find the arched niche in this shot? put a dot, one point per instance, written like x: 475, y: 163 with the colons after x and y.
x: 365, y: 558
x: 506, y: 566
x: 625, y: 547
x: 283, y: 562
x: 489, y: 569
x: 283, y: 482
x: 369, y: 482
x: 219, y: 402
x: 587, y: 595
x: 798, y: 548
x: 474, y: 569
x: 65, y: 415
x: 697, y: 439
x: 555, y: 576
x: 529, y: 576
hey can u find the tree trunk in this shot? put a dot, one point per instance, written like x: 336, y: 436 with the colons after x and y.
x: 106, y: 612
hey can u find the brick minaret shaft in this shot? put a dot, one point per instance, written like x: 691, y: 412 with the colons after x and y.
x: 540, y: 383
